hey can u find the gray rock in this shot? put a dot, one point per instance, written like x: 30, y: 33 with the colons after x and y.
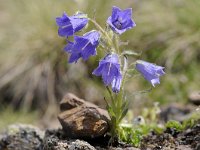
x: 21, y: 137
x: 127, y: 148
x: 56, y: 140
x: 80, y: 145
x: 176, y: 112
x: 184, y: 147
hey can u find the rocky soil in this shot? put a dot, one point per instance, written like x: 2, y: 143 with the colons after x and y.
x: 26, y: 137
x: 172, y: 139
x: 84, y: 127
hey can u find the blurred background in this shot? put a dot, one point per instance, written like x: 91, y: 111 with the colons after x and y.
x: 34, y: 73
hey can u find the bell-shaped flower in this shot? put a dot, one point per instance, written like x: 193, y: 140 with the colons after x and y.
x: 69, y: 46
x: 83, y: 46
x: 68, y: 25
x: 149, y: 71
x: 121, y: 20
x: 109, y: 69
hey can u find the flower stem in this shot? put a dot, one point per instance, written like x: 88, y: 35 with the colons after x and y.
x: 101, y: 29
x: 112, y: 42
x: 124, y: 73
x: 116, y: 43
x: 115, y: 109
x: 109, y: 91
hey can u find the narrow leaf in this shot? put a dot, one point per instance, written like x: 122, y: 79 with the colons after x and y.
x: 131, y: 53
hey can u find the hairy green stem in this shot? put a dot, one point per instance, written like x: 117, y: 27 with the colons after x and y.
x: 115, y: 109
x: 102, y: 31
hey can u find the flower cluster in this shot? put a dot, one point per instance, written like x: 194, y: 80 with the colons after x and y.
x: 113, y: 68
x: 85, y: 46
x: 82, y: 46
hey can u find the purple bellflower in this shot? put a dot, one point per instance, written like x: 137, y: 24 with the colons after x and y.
x: 69, y: 46
x: 149, y: 71
x: 109, y: 69
x: 69, y: 25
x: 120, y: 20
x: 83, y: 46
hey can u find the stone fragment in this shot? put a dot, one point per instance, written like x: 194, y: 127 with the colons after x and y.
x: 81, y: 145
x: 57, y: 140
x: 21, y: 137
x: 127, y: 148
x: 184, y: 147
x: 82, y: 119
x: 176, y: 112
x: 194, y: 97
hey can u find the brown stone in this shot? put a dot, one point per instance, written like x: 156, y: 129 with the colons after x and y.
x: 81, y: 119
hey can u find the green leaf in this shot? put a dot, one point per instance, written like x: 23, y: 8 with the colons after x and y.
x: 174, y: 124
x: 110, y: 111
x: 124, y: 109
x: 125, y: 105
x: 113, y: 122
x: 124, y: 112
x: 131, y: 53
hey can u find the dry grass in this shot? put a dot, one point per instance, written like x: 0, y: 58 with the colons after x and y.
x: 33, y: 68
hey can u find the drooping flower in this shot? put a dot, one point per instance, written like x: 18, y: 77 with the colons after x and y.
x: 121, y: 20
x: 68, y: 25
x: 69, y: 46
x: 116, y: 84
x: 149, y: 71
x: 83, y: 46
x: 109, y: 69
